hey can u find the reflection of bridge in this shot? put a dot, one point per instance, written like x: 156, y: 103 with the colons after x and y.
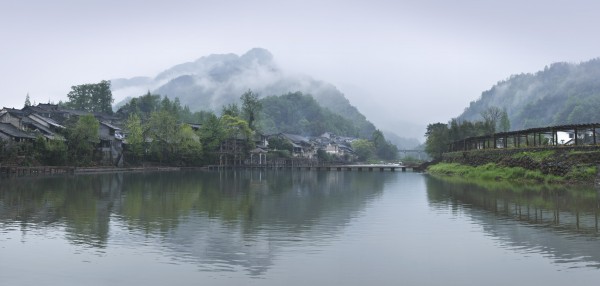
x: 359, y: 168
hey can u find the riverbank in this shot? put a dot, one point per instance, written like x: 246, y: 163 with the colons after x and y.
x: 563, y: 165
x: 19, y: 171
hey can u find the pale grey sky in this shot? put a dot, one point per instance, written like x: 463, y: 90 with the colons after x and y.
x: 412, y: 61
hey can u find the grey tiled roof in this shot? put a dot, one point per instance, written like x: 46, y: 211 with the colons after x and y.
x: 14, y: 132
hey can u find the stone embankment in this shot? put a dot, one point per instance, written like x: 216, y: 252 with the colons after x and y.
x: 556, y: 161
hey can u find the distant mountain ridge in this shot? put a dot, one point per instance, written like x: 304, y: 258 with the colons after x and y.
x: 563, y: 93
x: 217, y: 80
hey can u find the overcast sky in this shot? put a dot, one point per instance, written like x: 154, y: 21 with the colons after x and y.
x: 415, y: 61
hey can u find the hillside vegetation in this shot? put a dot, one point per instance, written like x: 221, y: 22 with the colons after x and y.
x: 301, y: 114
x: 562, y: 93
x: 214, y: 81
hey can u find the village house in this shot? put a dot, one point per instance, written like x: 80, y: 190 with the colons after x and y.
x: 111, y: 144
x: 47, y: 120
x: 335, y: 145
x: 302, y: 147
x: 10, y: 133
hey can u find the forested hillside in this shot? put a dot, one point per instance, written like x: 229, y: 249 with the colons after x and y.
x: 218, y: 80
x: 562, y: 93
x: 298, y: 113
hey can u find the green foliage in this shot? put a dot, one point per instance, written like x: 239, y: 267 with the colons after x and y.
x: 582, y: 173
x: 492, y: 171
x: 437, y: 140
x: 211, y: 135
x: 91, y: 97
x: 51, y: 152
x: 162, y: 130
x: 383, y: 148
x: 537, y: 156
x: 188, y: 143
x: 364, y: 149
x: 560, y: 94
x: 251, y: 108
x: 235, y: 127
x: 143, y: 106
x: 135, y: 136
x: 278, y: 143
x: 231, y: 110
x: 297, y: 113
x: 324, y: 156
x: 459, y: 130
x: 82, y: 139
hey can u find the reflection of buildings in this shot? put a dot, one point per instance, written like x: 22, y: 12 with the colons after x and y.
x: 235, y: 220
x: 560, y: 224
x: 81, y: 205
x: 289, y: 211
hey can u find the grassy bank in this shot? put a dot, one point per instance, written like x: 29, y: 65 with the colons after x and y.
x: 493, y: 171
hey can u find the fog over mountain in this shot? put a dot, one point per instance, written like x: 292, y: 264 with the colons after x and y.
x: 562, y: 93
x: 219, y: 79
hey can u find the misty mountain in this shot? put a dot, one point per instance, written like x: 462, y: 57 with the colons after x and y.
x: 562, y: 93
x: 217, y: 80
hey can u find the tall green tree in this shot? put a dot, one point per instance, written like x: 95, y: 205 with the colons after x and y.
x: 211, y: 135
x: 189, y: 148
x: 364, y: 149
x: 27, y: 100
x: 135, y: 137
x: 251, y: 108
x: 231, y: 109
x: 83, y: 138
x: 93, y: 97
x: 437, y: 140
x: 383, y: 148
x: 163, y: 131
x: 504, y: 124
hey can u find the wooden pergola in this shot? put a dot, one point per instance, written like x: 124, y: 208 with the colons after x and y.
x: 579, y: 134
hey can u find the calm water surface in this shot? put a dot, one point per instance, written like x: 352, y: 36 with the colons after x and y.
x: 293, y: 228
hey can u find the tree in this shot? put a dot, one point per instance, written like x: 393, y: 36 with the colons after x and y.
x: 135, y: 137
x: 504, y: 124
x: 82, y: 139
x: 364, y: 149
x: 211, y: 135
x: 232, y: 110
x: 91, y: 97
x: 492, y: 116
x: 437, y: 140
x: 235, y: 127
x: 251, y: 108
x: 163, y: 131
x: 384, y: 149
x: 27, y: 100
x: 188, y: 143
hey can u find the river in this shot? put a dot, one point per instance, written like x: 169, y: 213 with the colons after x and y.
x: 293, y: 228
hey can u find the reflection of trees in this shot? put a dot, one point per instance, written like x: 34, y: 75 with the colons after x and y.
x: 80, y: 204
x: 560, y: 221
x: 241, y: 218
x: 231, y: 219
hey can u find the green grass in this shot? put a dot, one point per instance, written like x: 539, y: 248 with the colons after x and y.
x: 582, y: 173
x: 494, y: 172
x: 537, y: 156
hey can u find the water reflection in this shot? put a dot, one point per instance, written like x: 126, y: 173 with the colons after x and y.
x: 561, y: 222
x: 222, y: 221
